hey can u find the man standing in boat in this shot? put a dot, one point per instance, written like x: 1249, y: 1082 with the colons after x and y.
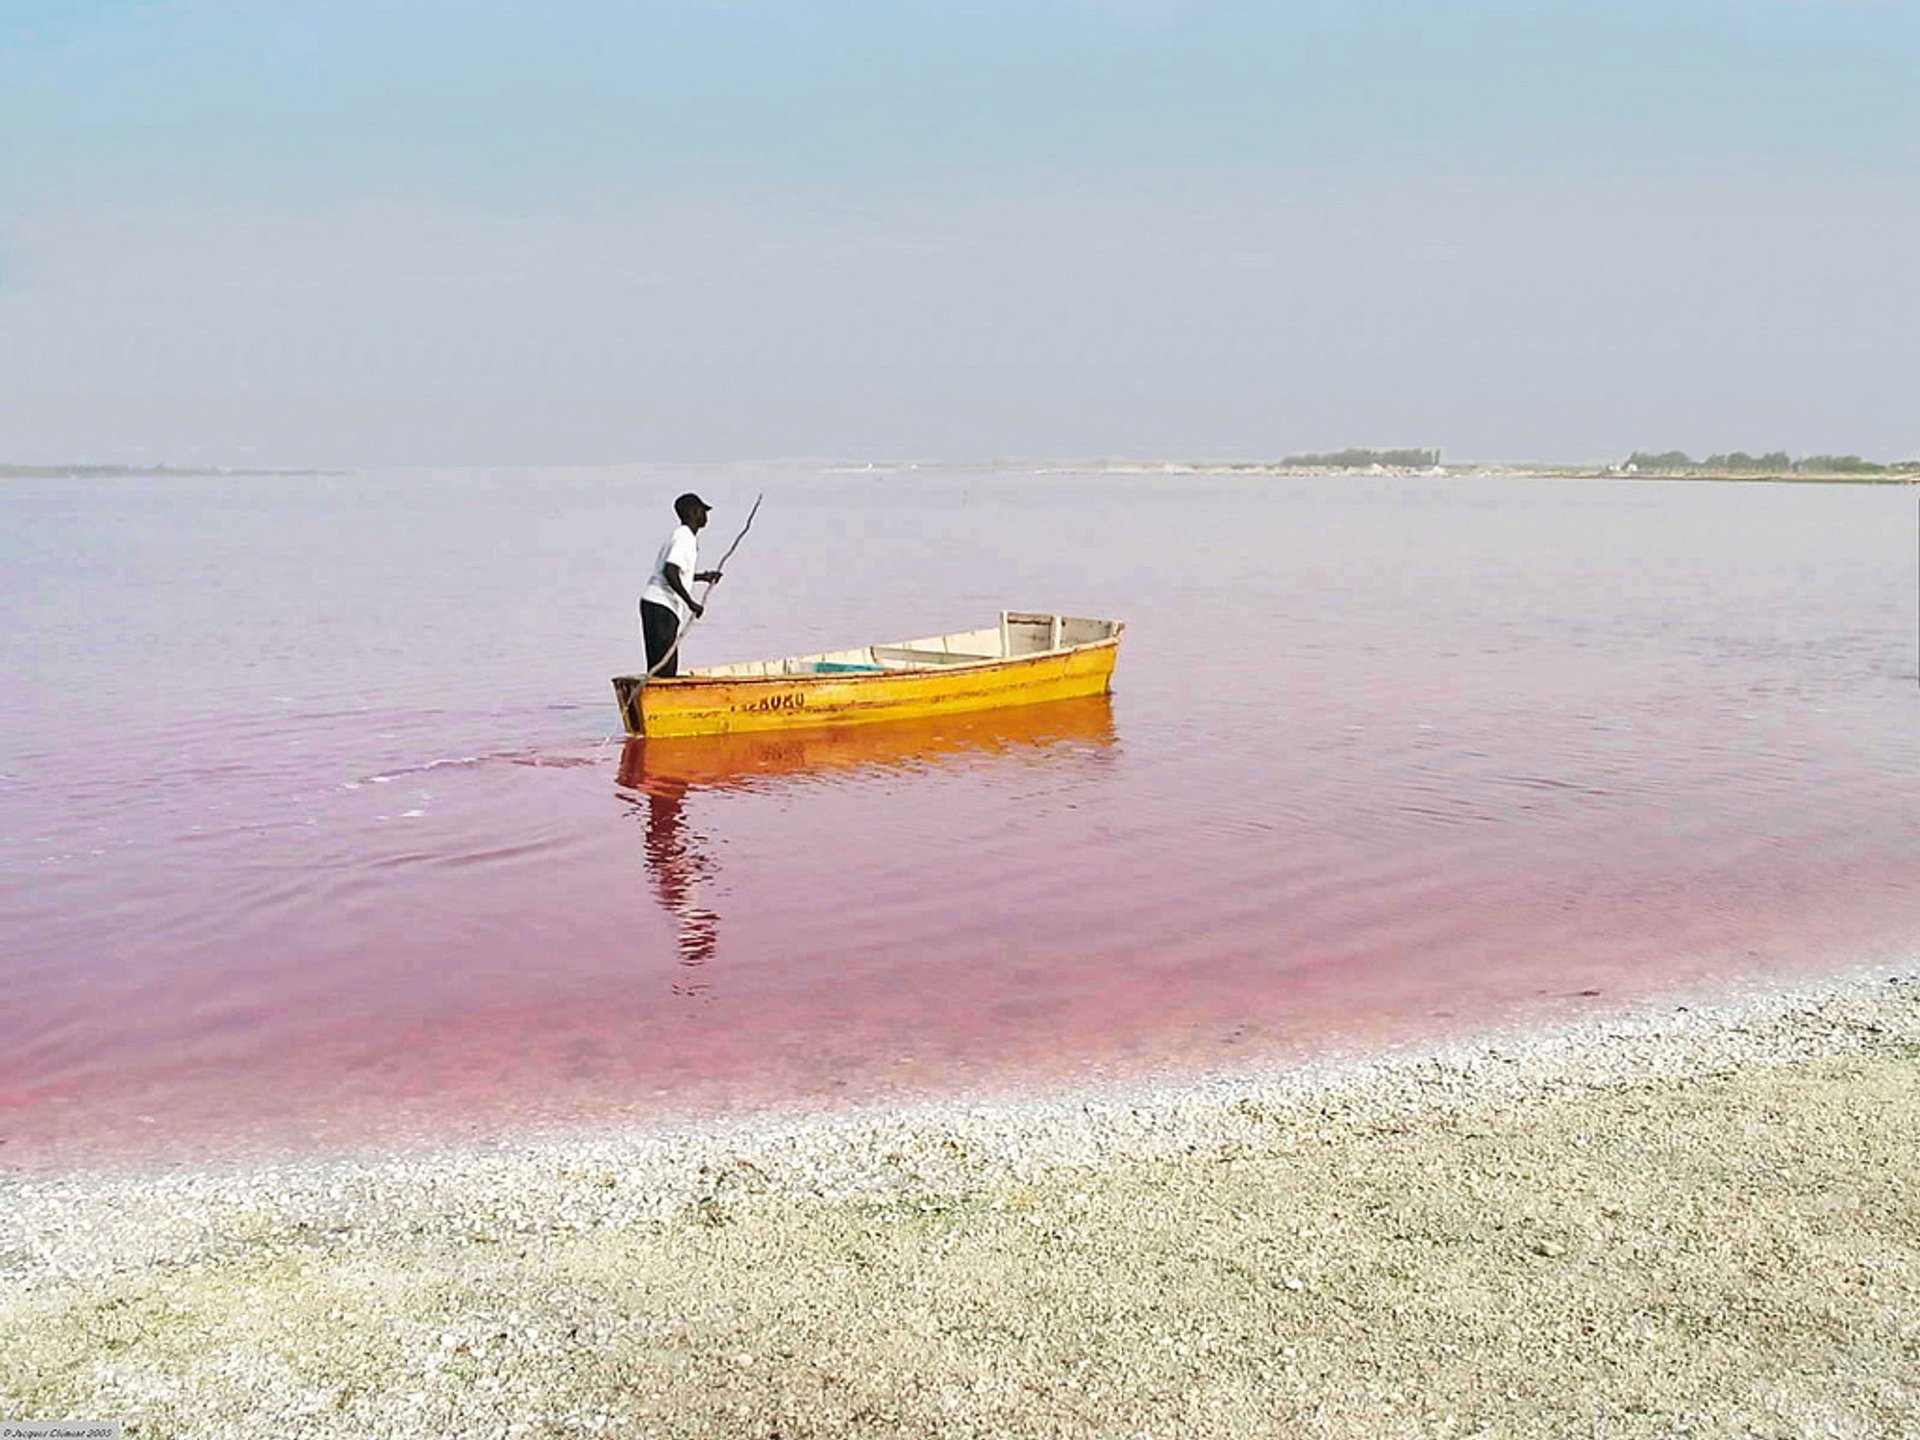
x: 667, y: 604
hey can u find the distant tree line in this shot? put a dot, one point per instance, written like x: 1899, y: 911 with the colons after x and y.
x: 1774, y: 463
x: 1841, y: 465
x: 1353, y: 459
x: 1741, y: 460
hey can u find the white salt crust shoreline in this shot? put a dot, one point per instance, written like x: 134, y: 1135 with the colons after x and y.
x: 1697, y: 1218
x: 88, y: 1224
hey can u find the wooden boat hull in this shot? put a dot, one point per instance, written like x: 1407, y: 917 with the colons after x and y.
x: 705, y: 703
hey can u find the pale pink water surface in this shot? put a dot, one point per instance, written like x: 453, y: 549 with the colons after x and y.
x: 315, y: 835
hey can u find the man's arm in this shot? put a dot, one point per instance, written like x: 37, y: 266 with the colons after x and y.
x: 678, y: 586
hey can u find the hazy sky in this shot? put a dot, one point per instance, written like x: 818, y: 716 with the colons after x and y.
x: 586, y: 231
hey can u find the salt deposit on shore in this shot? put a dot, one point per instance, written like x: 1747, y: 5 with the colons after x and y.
x: 1697, y: 1219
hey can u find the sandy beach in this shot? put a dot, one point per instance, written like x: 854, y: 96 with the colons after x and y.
x: 1697, y: 1219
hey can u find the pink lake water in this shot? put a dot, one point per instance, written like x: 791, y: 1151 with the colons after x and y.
x: 316, y: 835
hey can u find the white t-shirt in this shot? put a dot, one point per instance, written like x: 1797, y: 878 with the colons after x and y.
x: 682, y: 550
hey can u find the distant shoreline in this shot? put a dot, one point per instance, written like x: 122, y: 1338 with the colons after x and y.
x: 134, y: 472
x: 1275, y: 469
x: 1462, y: 470
x: 1491, y: 470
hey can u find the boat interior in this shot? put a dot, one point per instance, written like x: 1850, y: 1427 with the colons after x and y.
x: 1018, y: 634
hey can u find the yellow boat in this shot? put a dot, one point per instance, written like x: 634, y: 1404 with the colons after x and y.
x: 1025, y: 659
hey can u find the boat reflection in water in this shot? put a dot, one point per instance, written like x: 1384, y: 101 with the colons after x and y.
x: 662, y: 776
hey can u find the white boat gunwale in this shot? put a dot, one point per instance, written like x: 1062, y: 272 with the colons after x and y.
x: 939, y: 662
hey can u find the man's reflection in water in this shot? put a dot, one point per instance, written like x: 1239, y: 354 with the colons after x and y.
x: 660, y: 775
x: 679, y: 870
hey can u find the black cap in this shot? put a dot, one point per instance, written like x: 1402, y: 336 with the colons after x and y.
x: 686, y: 502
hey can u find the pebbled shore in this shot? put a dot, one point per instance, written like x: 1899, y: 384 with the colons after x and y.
x: 1699, y: 1219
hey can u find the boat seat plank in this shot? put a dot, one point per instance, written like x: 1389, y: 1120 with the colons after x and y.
x: 894, y: 656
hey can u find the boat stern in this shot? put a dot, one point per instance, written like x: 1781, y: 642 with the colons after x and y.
x: 626, y: 690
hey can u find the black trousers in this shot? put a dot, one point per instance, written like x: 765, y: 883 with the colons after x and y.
x: 660, y: 626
